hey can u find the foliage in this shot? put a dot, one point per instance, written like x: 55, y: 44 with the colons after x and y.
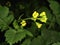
x: 30, y: 23
x: 5, y: 18
x: 25, y: 42
x: 58, y: 43
x: 46, y: 39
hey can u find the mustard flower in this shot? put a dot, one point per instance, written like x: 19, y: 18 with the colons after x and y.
x: 43, y: 14
x: 23, y: 23
x: 35, y: 15
x: 43, y: 17
x: 38, y: 25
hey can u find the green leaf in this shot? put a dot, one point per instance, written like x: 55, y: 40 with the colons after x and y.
x: 50, y: 36
x: 13, y: 36
x: 4, y: 11
x: 38, y: 41
x: 26, y: 42
x: 15, y: 24
x: 58, y: 43
x: 5, y: 19
x: 47, y: 37
x: 29, y: 33
x: 58, y: 19
x: 55, y: 7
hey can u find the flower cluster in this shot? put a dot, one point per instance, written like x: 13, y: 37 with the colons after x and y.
x: 42, y: 18
x: 36, y: 16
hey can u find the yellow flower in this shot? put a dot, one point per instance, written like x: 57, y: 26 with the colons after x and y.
x: 43, y: 14
x: 35, y: 14
x: 38, y: 25
x: 23, y: 23
x: 43, y: 19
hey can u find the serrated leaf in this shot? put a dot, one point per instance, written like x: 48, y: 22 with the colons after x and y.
x: 58, y: 19
x: 29, y: 33
x: 4, y: 11
x: 47, y: 37
x: 5, y: 19
x: 37, y: 41
x: 15, y: 24
x: 13, y: 36
x: 50, y: 36
x: 26, y: 42
x: 58, y: 43
x: 54, y: 5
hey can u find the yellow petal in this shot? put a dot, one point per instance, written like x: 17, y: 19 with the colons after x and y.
x: 42, y: 13
x: 35, y: 14
x: 23, y: 23
x: 38, y: 25
x: 43, y: 19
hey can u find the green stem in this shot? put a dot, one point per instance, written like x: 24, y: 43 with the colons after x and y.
x: 27, y: 19
x: 38, y: 18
